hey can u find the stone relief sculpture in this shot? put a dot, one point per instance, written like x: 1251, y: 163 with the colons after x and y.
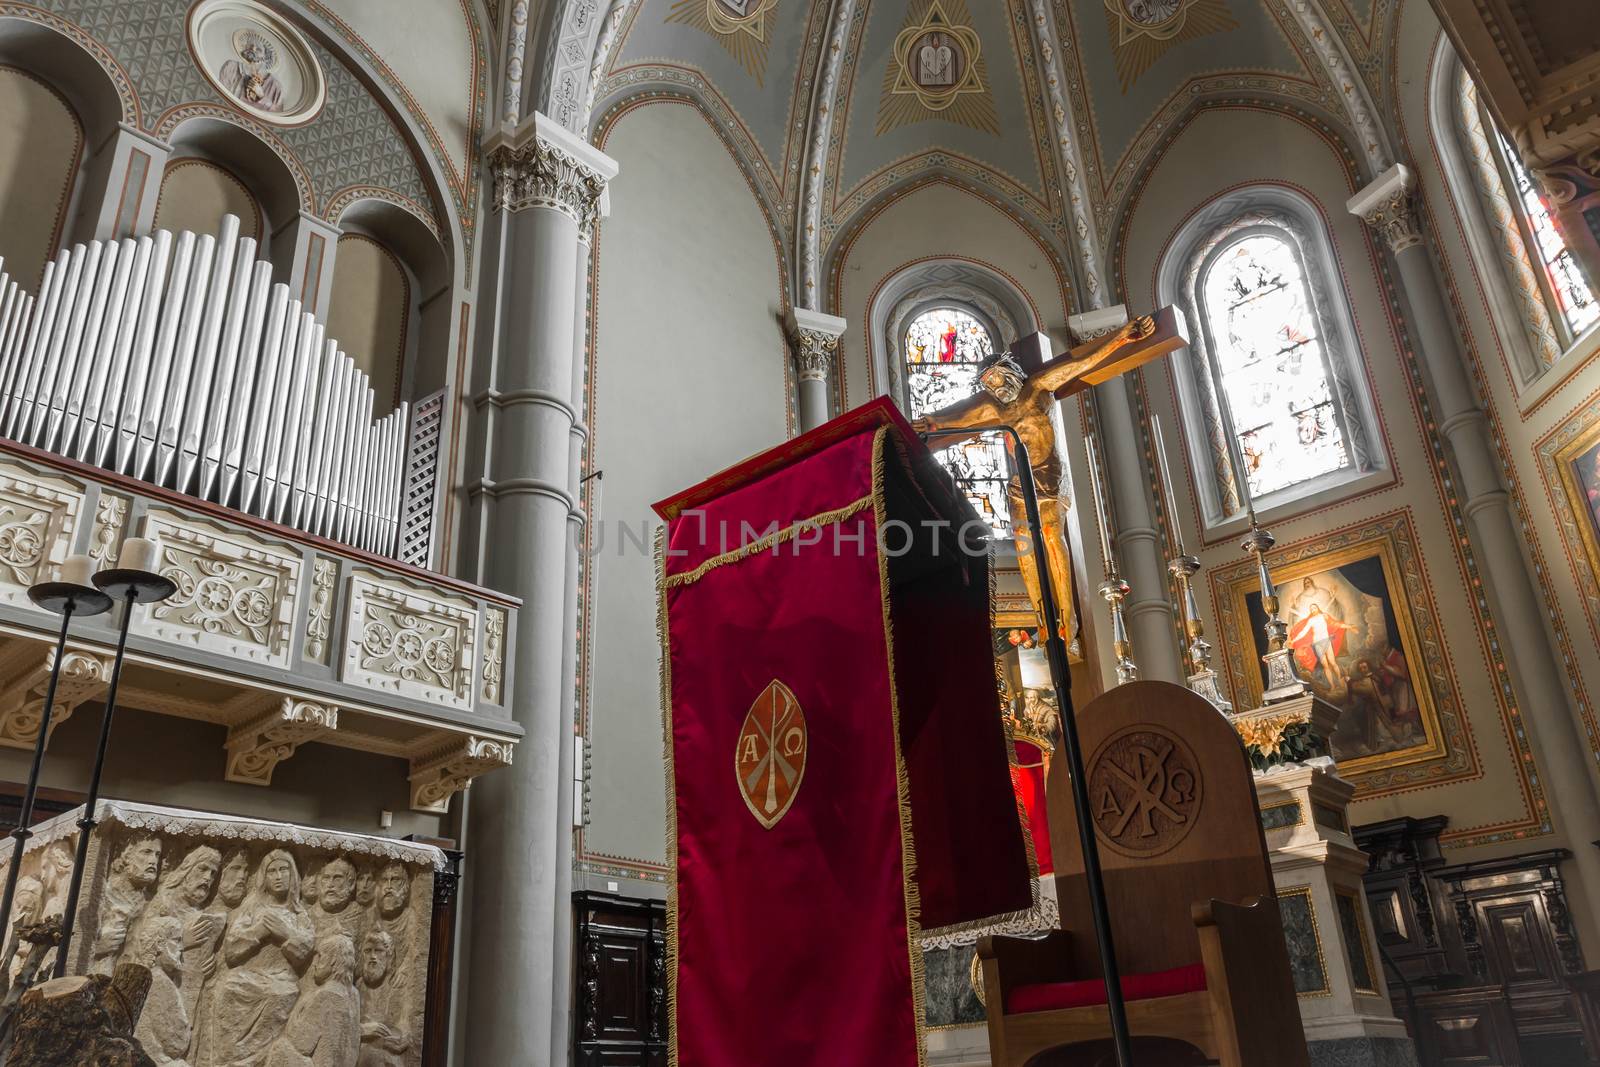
x: 133, y: 879
x: 384, y: 1039
x: 251, y: 965
x: 324, y: 1028
x: 267, y: 948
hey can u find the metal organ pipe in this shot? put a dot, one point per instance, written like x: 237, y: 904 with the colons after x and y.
x: 175, y: 359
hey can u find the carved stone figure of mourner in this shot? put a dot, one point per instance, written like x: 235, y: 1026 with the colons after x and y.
x: 127, y: 891
x: 267, y: 947
x: 324, y: 1028
x: 165, y: 1025
x: 27, y: 908
x: 335, y: 913
x: 384, y: 1039
x: 183, y: 896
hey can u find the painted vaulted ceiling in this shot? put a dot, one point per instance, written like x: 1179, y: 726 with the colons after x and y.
x: 1049, y: 108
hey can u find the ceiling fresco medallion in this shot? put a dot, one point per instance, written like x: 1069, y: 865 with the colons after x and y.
x: 257, y: 60
x: 1142, y: 31
x: 743, y: 27
x: 937, y: 71
x: 769, y: 759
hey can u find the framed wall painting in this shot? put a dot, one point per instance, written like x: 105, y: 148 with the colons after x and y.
x: 1365, y: 635
x: 1571, y: 460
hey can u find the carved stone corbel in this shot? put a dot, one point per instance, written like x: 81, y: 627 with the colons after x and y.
x: 443, y: 772
x: 84, y: 676
x: 258, y: 746
x: 541, y: 164
x: 816, y: 342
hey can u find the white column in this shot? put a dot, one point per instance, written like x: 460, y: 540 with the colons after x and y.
x: 548, y: 186
x: 816, y: 346
x: 1536, y: 673
x: 1138, y: 543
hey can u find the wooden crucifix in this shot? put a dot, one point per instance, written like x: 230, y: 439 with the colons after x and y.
x: 1023, y: 397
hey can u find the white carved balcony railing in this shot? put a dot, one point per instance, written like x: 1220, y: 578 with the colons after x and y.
x: 175, y: 359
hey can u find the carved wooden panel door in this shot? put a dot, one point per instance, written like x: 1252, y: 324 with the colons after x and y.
x: 620, y: 1006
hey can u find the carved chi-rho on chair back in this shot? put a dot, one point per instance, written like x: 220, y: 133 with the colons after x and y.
x: 175, y: 359
x: 1189, y: 887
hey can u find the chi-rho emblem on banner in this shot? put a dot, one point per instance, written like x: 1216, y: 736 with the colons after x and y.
x: 770, y: 758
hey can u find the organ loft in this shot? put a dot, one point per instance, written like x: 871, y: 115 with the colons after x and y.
x: 693, y: 533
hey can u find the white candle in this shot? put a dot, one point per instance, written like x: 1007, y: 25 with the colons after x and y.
x: 77, y: 570
x: 138, y: 554
x: 1100, y: 518
x: 1168, y: 497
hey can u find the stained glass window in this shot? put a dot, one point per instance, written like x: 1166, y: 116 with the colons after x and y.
x: 1573, y: 299
x: 1270, y: 365
x: 945, y: 350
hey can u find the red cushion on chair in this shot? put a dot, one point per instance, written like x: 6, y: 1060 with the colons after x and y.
x: 1054, y: 996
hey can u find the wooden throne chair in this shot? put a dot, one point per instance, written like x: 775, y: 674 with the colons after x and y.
x: 1205, y: 970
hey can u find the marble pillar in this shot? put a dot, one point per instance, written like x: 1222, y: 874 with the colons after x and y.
x: 1140, y: 556
x: 548, y: 188
x: 816, y: 345
x: 1558, y: 743
x: 1339, y: 980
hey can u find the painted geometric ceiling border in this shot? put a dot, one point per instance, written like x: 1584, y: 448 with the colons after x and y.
x: 839, y: 204
x: 671, y: 81
x: 785, y: 171
x: 838, y: 248
x: 1314, y: 89
x: 464, y: 188
x: 594, y: 862
x: 1503, y: 452
x: 1116, y: 251
x: 868, y: 341
x: 132, y: 111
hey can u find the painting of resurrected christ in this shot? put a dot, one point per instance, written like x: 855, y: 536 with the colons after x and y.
x: 1348, y: 642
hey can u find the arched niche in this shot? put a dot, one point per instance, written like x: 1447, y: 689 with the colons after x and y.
x: 229, y: 170
x: 196, y: 193
x: 389, y: 308
x: 58, y: 118
x: 970, y: 287
x: 41, y: 143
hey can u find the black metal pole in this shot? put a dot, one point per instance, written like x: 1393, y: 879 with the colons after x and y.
x: 1061, y: 679
x: 86, y: 824
x: 21, y: 834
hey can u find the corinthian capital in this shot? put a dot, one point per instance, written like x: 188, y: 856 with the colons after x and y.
x: 816, y: 342
x: 541, y: 164
x: 1385, y: 205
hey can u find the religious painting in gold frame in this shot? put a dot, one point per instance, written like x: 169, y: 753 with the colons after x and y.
x: 1357, y: 630
x: 1577, y: 465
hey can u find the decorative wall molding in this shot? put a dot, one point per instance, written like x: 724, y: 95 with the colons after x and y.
x: 494, y: 654
x: 415, y: 644
x: 38, y: 516
x: 84, y: 676
x: 237, y: 594
x: 444, y: 772
x: 257, y: 747
x: 319, y: 613
x: 105, y: 543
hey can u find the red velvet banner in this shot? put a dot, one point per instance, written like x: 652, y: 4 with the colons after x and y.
x: 838, y: 772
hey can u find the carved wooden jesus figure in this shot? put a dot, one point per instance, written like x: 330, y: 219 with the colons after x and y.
x: 1025, y: 402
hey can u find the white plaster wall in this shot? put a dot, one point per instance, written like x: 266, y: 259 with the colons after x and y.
x: 688, y: 378
x: 1269, y: 146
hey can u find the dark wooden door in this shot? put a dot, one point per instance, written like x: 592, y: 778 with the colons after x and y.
x: 621, y: 997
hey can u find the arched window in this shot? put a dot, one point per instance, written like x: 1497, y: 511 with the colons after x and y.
x: 1271, y: 386
x: 945, y: 349
x: 1564, y: 284
x: 1269, y: 364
